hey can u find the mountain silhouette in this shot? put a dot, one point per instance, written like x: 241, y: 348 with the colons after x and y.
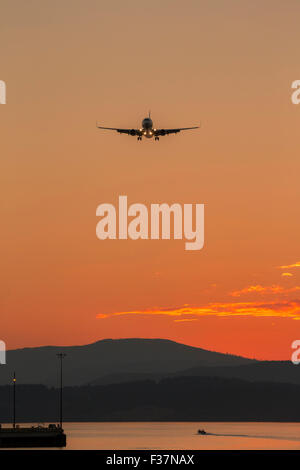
x: 110, y: 357
x: 259, y: 371
x: 172, y: 399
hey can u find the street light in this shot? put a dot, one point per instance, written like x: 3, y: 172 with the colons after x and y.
x: 14, y: 401
x: 61, y: 356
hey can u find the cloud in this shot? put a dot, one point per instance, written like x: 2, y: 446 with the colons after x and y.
x: 274, y: 289
x: 284, y: 309
x: 287, y: 274
x: 289, y: 266
x: 102, y: 315
x: 185, y: 319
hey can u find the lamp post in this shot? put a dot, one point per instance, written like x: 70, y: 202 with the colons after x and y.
x: 61, y: 356
x: 14, y: 401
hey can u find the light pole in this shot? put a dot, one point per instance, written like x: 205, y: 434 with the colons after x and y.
x: 14, y: 401
x: 61, y: 356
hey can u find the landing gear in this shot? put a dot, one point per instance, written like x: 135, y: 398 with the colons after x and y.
x: 156, y: 138
x: 139, y: 138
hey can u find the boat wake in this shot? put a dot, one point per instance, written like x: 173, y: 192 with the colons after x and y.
x: 290, y: 438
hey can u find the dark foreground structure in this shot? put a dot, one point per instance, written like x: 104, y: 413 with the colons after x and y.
x: 35, y: 436
x: 196, y: 399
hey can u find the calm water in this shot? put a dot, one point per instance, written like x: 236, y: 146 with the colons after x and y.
x: 143, y: 436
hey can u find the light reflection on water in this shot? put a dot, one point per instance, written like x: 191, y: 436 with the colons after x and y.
x: 147, y: 436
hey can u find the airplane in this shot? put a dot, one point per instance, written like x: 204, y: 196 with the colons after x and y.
x: 147, y: 130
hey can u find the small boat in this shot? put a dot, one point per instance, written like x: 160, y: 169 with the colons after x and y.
x: 201, y: 431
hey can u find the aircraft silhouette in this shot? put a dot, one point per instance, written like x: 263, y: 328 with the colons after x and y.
x: 147, y: 130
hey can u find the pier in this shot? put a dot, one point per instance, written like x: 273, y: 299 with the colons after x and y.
x: 35, y: 436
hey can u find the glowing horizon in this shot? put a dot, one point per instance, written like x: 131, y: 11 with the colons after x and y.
x: 65, y: 68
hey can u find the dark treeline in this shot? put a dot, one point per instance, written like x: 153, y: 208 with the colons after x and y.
x: 172, y: 399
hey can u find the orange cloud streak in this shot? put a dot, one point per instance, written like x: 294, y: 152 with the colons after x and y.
x: 274, y: 289
x: 288, y: 266
x: 285, y: 309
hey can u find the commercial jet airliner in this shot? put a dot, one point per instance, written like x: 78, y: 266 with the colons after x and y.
x: 147, y: 130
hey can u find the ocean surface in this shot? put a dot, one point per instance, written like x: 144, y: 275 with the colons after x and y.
x: 147, y: 436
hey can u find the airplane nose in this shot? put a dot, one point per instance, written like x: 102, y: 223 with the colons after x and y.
x: 147, y: 123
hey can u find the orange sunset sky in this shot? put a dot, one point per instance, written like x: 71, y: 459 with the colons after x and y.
x: 225, y: 63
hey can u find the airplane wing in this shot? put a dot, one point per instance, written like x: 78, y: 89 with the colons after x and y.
x: 122, y: 131
x: 172, y: 131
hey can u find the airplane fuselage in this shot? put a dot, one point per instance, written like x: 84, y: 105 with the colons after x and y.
x: 147, y: 128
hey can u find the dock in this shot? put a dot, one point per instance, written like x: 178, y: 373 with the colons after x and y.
x: 35, y: 436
